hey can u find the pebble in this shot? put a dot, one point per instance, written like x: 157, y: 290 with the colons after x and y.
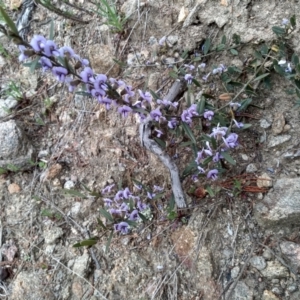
x: 264, y: 181
x: 235, y: 272
x: 258, y: 262
x: 251, y: 168
x: 265, y: 124
x: 14, y: 188
x: 278, y: 140
x: 244, y: 157
x: 69, y: 184
x: 278, y: 123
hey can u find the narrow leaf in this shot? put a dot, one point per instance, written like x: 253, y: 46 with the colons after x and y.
x: 101, y: 223
x: 106, y: 214
x: 9, y: 21
x: 210, y: 191
x: 188, y: 132
x: 51, y: 34
x: 206, y: 46
x: 160, y: 142
x: 228, y: 158
x: 201, y: 106
x: 234, y: 52
x: 223, y: 41
x: 75, y: 193
x: 261, y: 77
x: 278, y: 30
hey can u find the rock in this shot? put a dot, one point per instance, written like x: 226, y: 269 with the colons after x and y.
x: 278, y: 140
x: 280, y: 206
x: 278, y: 123
x: 154, y: 79
x: 292, y: 288
x: 241, y: 292
x: 101, y: 58
x: 268, y: 295
x: 14, y: 188
x: 275, y: 270
x: 251, y: 168
x: 81, y: 264
x: 258, y: 262
x: 16, y: 151
x: 172, y: 40
x: 292, y: 251
x: 183, y: 13
x: 264, y: 181
x: 52, y: 234
x: 69, y: 184
x: 267, y: 254
x: 31, y: 285
x: 6, y: 105
x: 129, y: 7
x: 51, y: 172
x: 265, y: 124
x: 245, y: 157
x: 235, y: 272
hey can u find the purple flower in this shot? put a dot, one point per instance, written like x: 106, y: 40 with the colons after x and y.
x: 100, y: 83
x: 190, y: 67
x: 201, y: 170
x: 192, y: 110
x: 218, y: 132
x: 208, y: 114
x: 141, y: 206
x: 172, y: 123
x: 134, y: 216
x: 186, y: 117
x: 128, y: 90
x: 117, y: 83
x: 151, y: 195
x: 119, y: 196
x: 114, y: 211
x: 205, y: 77
x: 72, y: 84
x: 189, y: 78
x: 60, y: 73
x: 202, y: 65
x: 107, y: 102
x: 157, y: 188
x: 238, y: 124
x: 231, y: 140
x: 200, y: 156
x: 66, y: 51
x: 126, y: 193
x: 38, y: 43
x: 235, y: 105
x: 108, y: 202
x: 124, y: 110
x: 87, y: 75
x: 156, y: 114
x: 285, y: 21
x: 122, y: 227
x: 208, y: 151
x: 288, y: 69
x: 50, y: 49
x: 216, y: 157
x: 212, y: 174
x: 159, y: 133
x: 23, y: 54
x: 162, y: 41
x: 138, y: 186
x: 107, y: 189
x: 45, y: 63
x: 124, y: 207
x: 145, y: 96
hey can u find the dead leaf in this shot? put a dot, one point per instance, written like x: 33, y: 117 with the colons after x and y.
x: 226, y: 96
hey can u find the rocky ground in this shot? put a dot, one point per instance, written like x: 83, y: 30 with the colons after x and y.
x: 235, y: 246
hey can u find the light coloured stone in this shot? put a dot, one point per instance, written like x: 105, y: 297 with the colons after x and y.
x: 264, y: 181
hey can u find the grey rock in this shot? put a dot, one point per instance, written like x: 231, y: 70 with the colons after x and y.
x: 292, y: 288
x: 81, y: 264
x: 265, y: 124
x: 6, y: 105
x: 129, y: 7
x: 52, y: 234
x: 278, y: 140
x: 251, y: 168
x: 278, y: 123
x: 275, y: 270
x: 241, y: 292
x: 69, y: 184
x: 268, y: 295
x: 277, y: 290
x: 258, y: 262
x: 281, y: 206
x: 31, y: 285
x: 235, y: 272
x: 295, y: 296
x: 172, y: 40
x: 292, y: 251
x: 15, y: 148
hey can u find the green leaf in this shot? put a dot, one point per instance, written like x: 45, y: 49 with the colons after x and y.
x: 236, y: 39
x: 244, y: 104
x: 210, y: 191
x: 188, y: 132
x: 208, y: 96
x: 51, y: 34
x: 206, y: 46
x: 261, y: 77
x: 109, y: 241
x: 220, y: 47
x: 86, y: 188
x: 88, y: 242
x: 228, y: 158
x: 279, y: 69
x: 196, y: 82
x: 34, y: 64
x: 295, y: 59
x: 106, y: 214
x: 144, y: 219
x: 264, y: 49
x: 234, y: 52
x: 9, y: 21
x: 293, y: 21
x: 223, y: 41
x: 207, y: 161
x: 189, y: 169
x: 258, y: 55
x: 74, y: 193
x: 101, y: 223
x: 173, y: 74
x: 154, y: 95
x: 278, y: 30
x: 161, y: 143
x: 201, y: 105
x: 171, y: 204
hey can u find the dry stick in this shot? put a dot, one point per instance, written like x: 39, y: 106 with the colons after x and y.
x: 152, y: 146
